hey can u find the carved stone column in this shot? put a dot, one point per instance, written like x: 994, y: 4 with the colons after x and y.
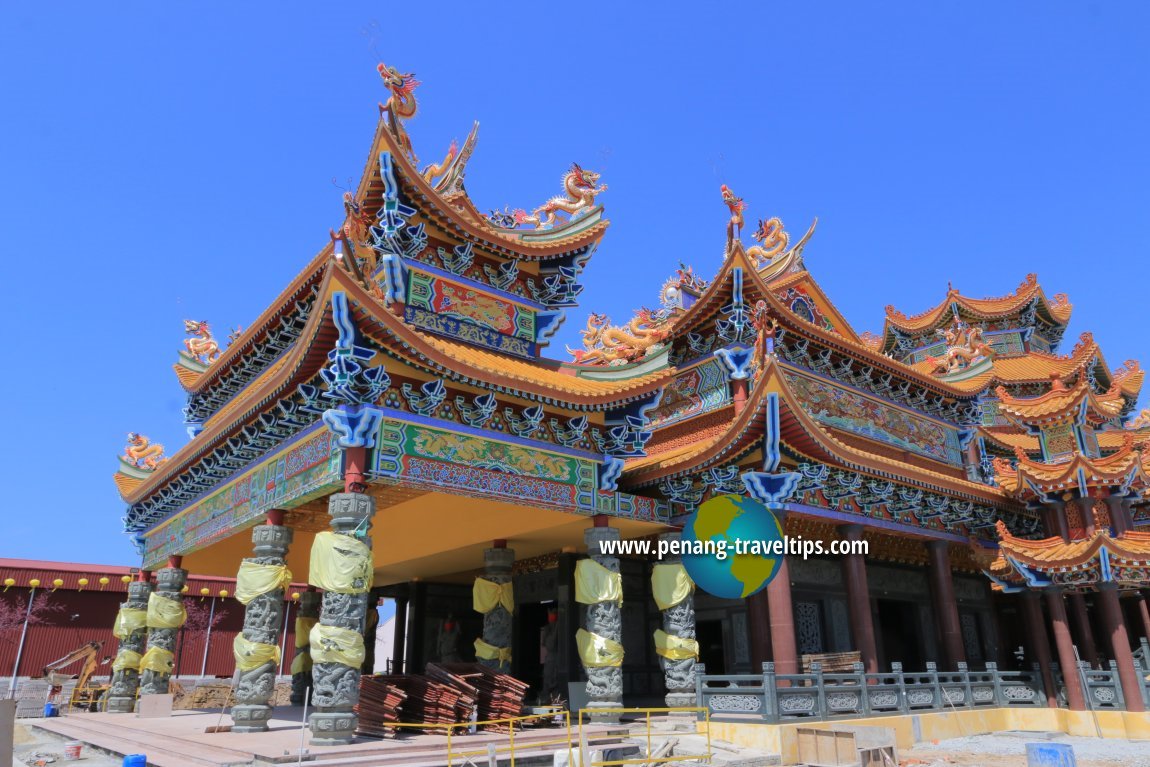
x: 336, y: 685
x: 169, y: 585
x: 679, y: 621
x: 126, y: 681
x: 306, y: 617
x: 497, y: 622
x: 263, y: 618
x: 604, y: 683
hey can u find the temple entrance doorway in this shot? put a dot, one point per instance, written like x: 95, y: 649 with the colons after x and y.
x: 709, y: 634
x: 529, y: 623
x: 900, y: 635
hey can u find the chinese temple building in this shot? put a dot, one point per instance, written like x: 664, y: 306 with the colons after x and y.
x: 393, y: 425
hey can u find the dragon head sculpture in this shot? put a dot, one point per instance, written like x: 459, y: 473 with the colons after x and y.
x: 586, y: 179
x: 399, y: 83
x: 196, y: 327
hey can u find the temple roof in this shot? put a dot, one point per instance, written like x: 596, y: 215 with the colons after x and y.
x: 801, y: 433
x: 1057, y: 311
x: 1122, y: 467
x: 460, y: 217
x: 1062, y: 403
x: 1082, y: 562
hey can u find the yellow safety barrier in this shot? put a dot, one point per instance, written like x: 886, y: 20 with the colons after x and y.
x: 646, y: 713
x: 509, y: 748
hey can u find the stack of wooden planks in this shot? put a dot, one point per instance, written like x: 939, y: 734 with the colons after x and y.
x: 498, y: 696
x: 466, y: 704
x: 832, y: 662
x: 380, y: 703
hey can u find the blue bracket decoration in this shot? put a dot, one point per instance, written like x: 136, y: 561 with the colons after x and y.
x: 525, y: 424
x: 479, y: 411
x: 681, y: 490
x: 348, y: 380
x: 771, y: 487
x: 394, y: 214
x: 432, y: 394
x: 609, y: 472
x: 738, y: 325
x: 459, y: 260
x: 504, y: 276
x: 724, y: 479
x: 1033, y: 579
x: 571, y: 432
x: 392, y: 277
x: 353, y: 425
x: 626, y: 435
x: 737, y: 360
x: 547, y: 325
x: 559, y: 289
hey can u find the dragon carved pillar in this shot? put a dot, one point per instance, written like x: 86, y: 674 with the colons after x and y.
x: 165, y: 617
x: 337, y: 647
x: 677, y: 648
x: 260, y: 587
x: 305, y: 618
x: 493, y: 595
x: 132, y: 632
x: 601, y: 642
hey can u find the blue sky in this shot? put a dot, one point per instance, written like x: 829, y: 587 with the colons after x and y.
x: 175, y: 160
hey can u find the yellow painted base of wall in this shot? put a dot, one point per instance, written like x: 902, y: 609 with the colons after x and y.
x: 918, y: 728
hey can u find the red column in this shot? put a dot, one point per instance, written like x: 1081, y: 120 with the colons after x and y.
x: 355, y: 463
x: 945, y: 605
x: 1144, y: 613
x: 1086, y: 648
x: 1039, y: 643
x: 783, y: 647
x: 858, y: 601
x: 759, y: 628
x: 1115, y: 628
x: 739, y: 394
x: 1061, y: 628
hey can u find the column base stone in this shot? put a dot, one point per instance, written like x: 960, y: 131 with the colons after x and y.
x: 251, y: 718
x: 332, y: 728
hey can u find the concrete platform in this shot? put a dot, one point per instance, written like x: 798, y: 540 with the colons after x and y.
x: 180, y: 741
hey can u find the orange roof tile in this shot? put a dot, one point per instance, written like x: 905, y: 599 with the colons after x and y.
x: 1060, y: 402
x: 1059, y: 309
x: 1054, y: 553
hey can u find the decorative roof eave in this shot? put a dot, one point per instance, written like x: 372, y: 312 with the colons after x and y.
x: 311, y: 275
x: 406, y: 342
x: 850, y: 347
x: 1123, y: 468
x: 306, y: 357
x: 802, y: 432
x: 447, y: 213
x: 1061, y: 404
x: 1053, y: 555
x: 1037, y: 367
x: 1057, y: 312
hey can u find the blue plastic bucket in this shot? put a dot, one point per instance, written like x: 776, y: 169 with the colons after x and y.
x: 51, y: 710
x: 135, y: 760
x: 1050, y: 755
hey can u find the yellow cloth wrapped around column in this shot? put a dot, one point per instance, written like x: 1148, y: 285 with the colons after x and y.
x: 594, y: 583
x: 341, y: 564
x: 126, y: 659
x: 674, y: 647
x: 128, y: 620
x: 164, y: 613
x: 255, y: 579
x: 598, y: 651
x: 251, y: 655
x: 331, y: 644
x: 670, y: 585
x: 486, y: 595
x: 485, y: 651
x: 157, y: 659
x: 302, y: 660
